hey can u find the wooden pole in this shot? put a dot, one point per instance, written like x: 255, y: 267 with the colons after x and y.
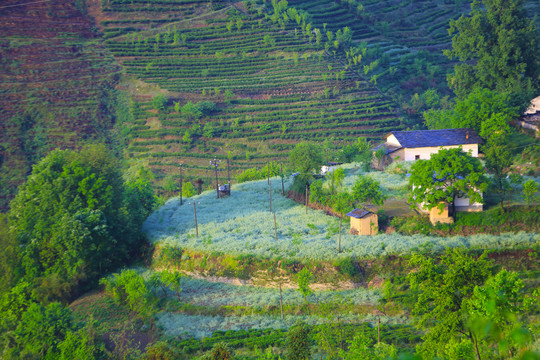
x: 339, y: 242
x: 195, y: 213
x: 282, y: 185
x: 228, y: 177
x: 378, y: 330
x: 270, y: 183
x: 307, y: 201
x: 180, y: 184
x: 280, y: 299
x: 275, y: 224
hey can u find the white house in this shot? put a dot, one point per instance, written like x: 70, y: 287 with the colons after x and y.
x: 420, y: 144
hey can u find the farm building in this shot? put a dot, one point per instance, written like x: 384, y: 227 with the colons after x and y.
x: 531, y: 118
x: 363, y: 222
x: 442, y: 216
x: 329, y: 167
x: 420, y: 144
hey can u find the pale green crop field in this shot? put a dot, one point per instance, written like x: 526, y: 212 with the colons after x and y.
x: 244, y: 224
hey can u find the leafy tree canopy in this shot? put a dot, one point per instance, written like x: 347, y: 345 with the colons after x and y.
x: 498, y: 47
x: 449, y: 173
x: 444, y: 289
x: 75, y: 218
x: 486, y: 111
x: 365, y: 189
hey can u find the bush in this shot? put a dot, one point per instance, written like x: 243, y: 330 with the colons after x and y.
x: 128, y: 288
x: 347, y: 266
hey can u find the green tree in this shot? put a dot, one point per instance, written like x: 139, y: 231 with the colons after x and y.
x: 172, y: 280
x: 41, y: 330
x: 188, y: 189
x: 365, y: 189
x: 305, y: 158
x: 497, y: 45
x: 530, y: 187
x: 336, y: 178
x: 9, y: 257
x: 159, y: 101
x: 71, y: 222
x: 443, y: 289
x: 495, y: 314
x: 190, y: 111
x: 129, y: 288
x: 498, y: 162
x: 446, y: 175
x: 304, y: 279
x: 298, y: 342
x: 362, y: 347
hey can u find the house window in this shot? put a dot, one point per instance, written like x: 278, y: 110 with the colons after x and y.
x: 416, y: 157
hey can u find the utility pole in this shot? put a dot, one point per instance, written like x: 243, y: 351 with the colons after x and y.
x: 270, y: 183
x: 228, y: 177
x: 195, y: 214
x: 282, y: 185
x: 215, y: 163
x: 307, y: 201
x: 275, y: 225
x: 180, y: 166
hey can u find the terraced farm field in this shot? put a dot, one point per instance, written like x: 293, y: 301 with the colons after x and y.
x: 265, y: 88
x: 56, y: 85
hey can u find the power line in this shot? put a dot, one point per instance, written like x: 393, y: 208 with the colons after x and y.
x: 30, y: 3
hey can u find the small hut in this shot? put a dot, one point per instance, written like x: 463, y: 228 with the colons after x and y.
x: 363, y: 222
x: 443, y: 216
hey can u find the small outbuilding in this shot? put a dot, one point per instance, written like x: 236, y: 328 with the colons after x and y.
x: 363, y: 222
x: 443, y: 216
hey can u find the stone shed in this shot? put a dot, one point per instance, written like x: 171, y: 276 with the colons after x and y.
x: 363, y: 222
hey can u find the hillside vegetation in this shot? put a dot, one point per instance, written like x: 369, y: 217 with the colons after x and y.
x: 56, y: 85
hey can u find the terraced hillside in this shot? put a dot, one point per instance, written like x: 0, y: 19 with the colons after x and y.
x: 56, y: 83
x: 262, y: 87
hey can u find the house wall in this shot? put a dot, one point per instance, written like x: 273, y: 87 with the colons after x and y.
x: 398, y: 153
x: 368, y: 225
x: 393, y: 140
x: 425, y: 152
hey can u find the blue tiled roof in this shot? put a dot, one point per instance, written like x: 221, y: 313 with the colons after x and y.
x: 359, y: 213
x: 431, y: 138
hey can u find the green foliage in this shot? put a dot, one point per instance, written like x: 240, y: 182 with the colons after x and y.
x: 298, y: 342
x: 502, y: 43
x: 128, y: 288
x: 447, y: 174
x: 530, y: 187
x: 191, y: 112
x: 10, y: 257
x: 362, y: 347
x: 72, y: 221
x: 220, y: 351
x: 159, y: 102
x: 487, y: 112
x: 40, y: 332
x: 443, y: 290
x: 365, y: 189
x: 188, y: 190
x: 305, y: 158
x: 498, y: 161
x: 160, y: 350
x: 304, y: 279
x: 255, y: 174
x: 336, y: 179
